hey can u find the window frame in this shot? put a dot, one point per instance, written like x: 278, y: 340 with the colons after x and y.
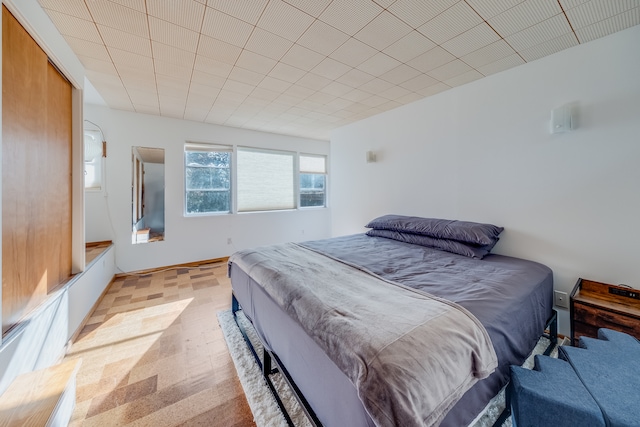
x: 213, y: 148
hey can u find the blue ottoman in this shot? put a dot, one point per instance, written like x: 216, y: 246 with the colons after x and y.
x: 597, y: 384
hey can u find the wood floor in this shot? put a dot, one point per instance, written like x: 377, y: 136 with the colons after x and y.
x: 153, y: 354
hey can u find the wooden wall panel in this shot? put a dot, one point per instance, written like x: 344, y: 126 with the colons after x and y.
x: 36, y: 185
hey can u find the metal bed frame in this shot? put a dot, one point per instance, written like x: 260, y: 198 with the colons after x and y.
x: 269, y: 358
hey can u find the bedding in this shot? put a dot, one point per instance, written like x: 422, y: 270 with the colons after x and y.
x: 463, y: 231
x: 512, y: 298
x: 452, y: 246
x: 369, y: 324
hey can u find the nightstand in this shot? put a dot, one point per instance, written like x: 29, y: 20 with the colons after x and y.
x: 599, y: 305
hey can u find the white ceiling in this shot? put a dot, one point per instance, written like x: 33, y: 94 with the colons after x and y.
x: 304, y: 67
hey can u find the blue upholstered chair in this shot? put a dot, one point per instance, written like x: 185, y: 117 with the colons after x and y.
x: 595, y: 384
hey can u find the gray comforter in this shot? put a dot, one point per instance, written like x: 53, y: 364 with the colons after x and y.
x: 409, y: 354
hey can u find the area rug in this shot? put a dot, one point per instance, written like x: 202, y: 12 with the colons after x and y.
x: 262, y: 403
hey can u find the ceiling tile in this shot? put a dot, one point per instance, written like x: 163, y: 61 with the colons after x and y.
x: 350, y: 16
x: 569, y: 4
x: 417, y: 13
x: 71, y: 26
x: 489, y: 8
x: 609, y: 26
x: 378, y: 64
x: 286, y: 72
x: 376, y: 86
x: 434, y: 89
x: 245, y: 76
x: 125, y: 41
x: 225, y: 27
x: 337, y: 89
x: 453, y: 21
x: 419, y: 82
x: 185, y: 13
x: 138, y: 5
x: 237, y: 87
x: 539, y: 33
x: 129, y: 59
x: 353, y: 53
x: 395, y: 92
x: 322, y: 38
x: 502, y: 64
x: 76, y: 8
x: 313, y: 8
x: 597, y: 10
x: 195, y: 114
x: 173, y: 35
x: 284, y: 20
x: 524, y: 15
x: 400, y: 74
x: 478, y: 37
x: 88, y: 49
x: 488, y: 54
x: 374, y: 101
x: 355, y: 78
x: 212, y: 66
x: 463, y: 78
x: 120, y: 17
x: 173, y: 70
x: 431, y: 59
x: 218, y: 50
x: 410, y: 46
x: 173, y: 54
x: 248, y: 11
x: 255, y: 62
x: 449, y: 70
x: 301, y: 57
x: 384, y: 30
x: 330, y: 68
x: 548, y: 47
x: 93, y: 64
x: 268, y: 44
x: 313, y: 81
x: 275, y: 85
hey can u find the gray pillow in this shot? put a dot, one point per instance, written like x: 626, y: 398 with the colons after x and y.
x: 462, y: 231
x: 452, y: 246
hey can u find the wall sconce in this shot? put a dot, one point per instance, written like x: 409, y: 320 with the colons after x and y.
x: 561, y: 119
x: 371, y: 156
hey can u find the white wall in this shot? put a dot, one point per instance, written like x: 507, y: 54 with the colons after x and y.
x: 187, y: 239
x: 483, y: 152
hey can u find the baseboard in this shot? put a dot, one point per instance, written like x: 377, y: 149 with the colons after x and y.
x: 193, y: 264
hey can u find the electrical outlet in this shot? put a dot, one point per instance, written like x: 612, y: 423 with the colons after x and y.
x: 561, y: 299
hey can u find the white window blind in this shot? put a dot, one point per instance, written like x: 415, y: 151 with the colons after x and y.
x: 312, y: 164
x: 265, y: 180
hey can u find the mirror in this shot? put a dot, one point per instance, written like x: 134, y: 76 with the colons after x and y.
x: 147, y: 195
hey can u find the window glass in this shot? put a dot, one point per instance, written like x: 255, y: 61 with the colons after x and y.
x: 207, y: 179
x: 313, y: 180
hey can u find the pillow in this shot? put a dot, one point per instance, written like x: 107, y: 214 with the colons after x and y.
x: 462, y: 231
x: 452, y: 246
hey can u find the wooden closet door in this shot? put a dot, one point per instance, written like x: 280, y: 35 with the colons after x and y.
x: 36, y: 169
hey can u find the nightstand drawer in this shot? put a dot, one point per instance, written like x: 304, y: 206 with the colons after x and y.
x: 593, y: 317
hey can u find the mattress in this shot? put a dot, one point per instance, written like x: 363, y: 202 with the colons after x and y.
x: 511, y: 297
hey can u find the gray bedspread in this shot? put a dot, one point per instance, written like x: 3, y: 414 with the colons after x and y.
x: 410, y: 355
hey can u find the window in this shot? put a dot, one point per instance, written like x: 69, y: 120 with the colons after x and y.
x: 207, y: 179
x: 92, y: 160
x: 265, y: 180
x: 313, y: 181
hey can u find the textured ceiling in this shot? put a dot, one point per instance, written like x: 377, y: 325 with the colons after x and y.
x: 304, y: 67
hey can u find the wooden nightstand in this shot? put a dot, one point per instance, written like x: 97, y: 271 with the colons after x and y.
x: 597, y: 305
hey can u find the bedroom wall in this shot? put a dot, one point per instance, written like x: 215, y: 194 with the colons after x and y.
x: 187, y: 239
x: 483, y: 152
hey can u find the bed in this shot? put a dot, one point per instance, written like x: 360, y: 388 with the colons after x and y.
x: 510, y: 298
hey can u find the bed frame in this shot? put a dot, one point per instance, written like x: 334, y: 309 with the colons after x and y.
x: 270, y: 358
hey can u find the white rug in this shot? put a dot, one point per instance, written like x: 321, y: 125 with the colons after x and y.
x: 263, y: 405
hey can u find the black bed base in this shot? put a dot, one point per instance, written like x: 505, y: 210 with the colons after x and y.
x: 269, y: 357
x: 266, y: 366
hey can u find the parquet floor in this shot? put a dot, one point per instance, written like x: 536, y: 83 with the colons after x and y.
x: 153, y: 354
